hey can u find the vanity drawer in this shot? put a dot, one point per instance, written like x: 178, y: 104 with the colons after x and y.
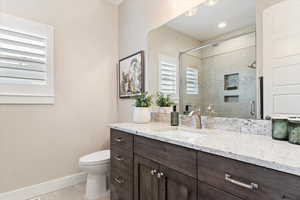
x: 178, y: 158
x: 207, y: 192
x: 241, y: 179
x: 121, y: 186
x: 121, y: 161
x: 121, y: 140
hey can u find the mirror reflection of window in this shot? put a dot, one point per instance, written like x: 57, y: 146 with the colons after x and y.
x: 168, y: 76
x: 192, y: 81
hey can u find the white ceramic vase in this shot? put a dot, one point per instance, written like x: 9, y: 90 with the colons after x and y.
x: 141, y: 115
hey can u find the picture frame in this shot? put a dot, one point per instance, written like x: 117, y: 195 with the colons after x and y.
x: 132, y: 75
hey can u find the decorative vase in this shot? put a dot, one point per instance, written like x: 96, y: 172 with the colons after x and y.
x: 294, y: 130
x: 141, y: 115
x: 280, y: 128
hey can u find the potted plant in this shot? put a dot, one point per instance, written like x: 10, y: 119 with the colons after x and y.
x: 164, y: 102
x: 141, y: 112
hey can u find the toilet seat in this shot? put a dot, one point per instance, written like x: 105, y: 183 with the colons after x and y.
x: 97, y: 158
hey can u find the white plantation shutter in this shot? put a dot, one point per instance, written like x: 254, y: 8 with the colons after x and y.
x: 192, y: 81
x: 26, y: 71
x: 168, y: 76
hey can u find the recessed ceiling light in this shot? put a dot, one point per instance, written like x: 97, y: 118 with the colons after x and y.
x: 222, y: 25
x: 191, y: 12
x: 211, y: 3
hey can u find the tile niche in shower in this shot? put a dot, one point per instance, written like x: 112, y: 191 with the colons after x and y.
x: 231, y: 81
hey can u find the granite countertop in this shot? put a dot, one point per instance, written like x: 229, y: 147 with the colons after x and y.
x: 254, y: 149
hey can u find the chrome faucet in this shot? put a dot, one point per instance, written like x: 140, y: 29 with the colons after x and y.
x: 198, y: 114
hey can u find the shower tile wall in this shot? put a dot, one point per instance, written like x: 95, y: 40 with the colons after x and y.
x: 229, y: 57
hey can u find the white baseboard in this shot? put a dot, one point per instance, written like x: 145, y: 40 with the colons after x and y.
x: 44, y: 188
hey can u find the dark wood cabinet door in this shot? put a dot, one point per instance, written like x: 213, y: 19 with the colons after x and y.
x: 145, y: 179
x: 174, y: 185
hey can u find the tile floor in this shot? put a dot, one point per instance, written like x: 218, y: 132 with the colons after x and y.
x: 75, y: 192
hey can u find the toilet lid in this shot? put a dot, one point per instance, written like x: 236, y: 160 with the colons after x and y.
x: 95, y: 158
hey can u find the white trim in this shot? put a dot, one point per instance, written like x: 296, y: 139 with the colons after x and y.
x: 44, y: 188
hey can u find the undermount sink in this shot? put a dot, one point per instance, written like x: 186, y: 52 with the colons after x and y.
x: 180, y: 132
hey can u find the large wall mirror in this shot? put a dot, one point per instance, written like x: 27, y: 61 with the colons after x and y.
x: 206, y: 59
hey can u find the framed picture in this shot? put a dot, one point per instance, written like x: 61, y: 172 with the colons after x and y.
x: 132, y: 75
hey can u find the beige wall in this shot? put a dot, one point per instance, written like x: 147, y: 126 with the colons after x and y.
x: 42, y: 142
x: 138, y: 17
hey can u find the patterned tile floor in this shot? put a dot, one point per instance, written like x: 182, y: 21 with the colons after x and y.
x: 75, y: 192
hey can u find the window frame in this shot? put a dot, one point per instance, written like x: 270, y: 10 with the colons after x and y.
x: 26, y: 93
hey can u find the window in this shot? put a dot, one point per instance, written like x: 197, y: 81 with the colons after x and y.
x: 26, y: 63
x: 192, y: 81
x: 168, y: 75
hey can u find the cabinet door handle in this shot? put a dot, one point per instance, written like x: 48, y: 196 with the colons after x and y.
x: 118, y: 139
x: 153, y: 172
x: 160, y: 174
x: 119, y: 158
x: 119, y: 180
x: 251, y: 186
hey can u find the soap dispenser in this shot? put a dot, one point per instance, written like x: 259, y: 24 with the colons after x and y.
x: 174, y: 117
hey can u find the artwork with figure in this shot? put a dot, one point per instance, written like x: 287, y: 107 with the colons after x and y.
x: 131, y: 75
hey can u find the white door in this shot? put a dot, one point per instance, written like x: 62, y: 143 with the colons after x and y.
x: 281, y: 65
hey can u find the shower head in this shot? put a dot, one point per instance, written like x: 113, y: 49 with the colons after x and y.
x: 252, y: 65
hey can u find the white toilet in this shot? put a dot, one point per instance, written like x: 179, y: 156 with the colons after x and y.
x: 97, y: 167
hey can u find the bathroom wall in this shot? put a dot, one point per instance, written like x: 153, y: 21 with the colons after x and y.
x: 43, y: 142
x: 138, y: 17
x: 168, y: 42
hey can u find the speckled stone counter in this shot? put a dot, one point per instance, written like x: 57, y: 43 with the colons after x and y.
x: 250, y: 148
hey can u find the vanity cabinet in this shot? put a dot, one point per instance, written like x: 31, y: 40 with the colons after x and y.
x: 121, y: 176
x: 207, y: 192
x: 146, y: 183
x: 160, y: 175
x: 245, y: 180
x: 147, y: 169
x: 153, y: 181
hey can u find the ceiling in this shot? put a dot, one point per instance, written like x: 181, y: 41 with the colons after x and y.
x: 237, y: 14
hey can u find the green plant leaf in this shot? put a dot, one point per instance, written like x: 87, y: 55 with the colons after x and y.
x: 163, y: 100
x: 144, y: 100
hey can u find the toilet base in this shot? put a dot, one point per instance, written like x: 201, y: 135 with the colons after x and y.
x: 96, y: 186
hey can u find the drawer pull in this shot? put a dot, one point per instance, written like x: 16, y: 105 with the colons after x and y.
x: 119, y: 158
x: 118, y: 139
x: 153, y: 172
x: 119, y: 180
x: 251, y: 186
